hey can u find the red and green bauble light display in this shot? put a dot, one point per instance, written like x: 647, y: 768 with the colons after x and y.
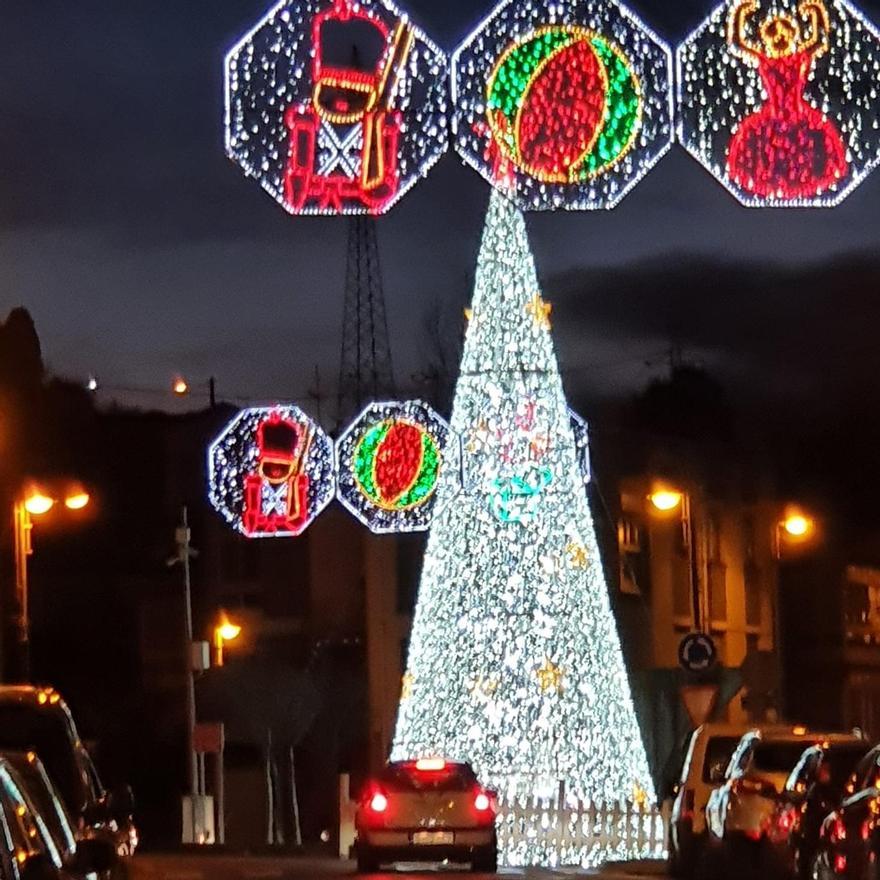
x: 564, y: 104
x: 390, y: 463
x: 397, y: 464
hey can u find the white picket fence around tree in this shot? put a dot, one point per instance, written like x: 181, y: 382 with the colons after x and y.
x: 569, y: 832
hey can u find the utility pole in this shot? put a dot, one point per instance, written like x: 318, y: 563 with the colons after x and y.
x: 185, y: 553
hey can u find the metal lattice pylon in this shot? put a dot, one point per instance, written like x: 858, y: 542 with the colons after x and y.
x: 365, y: 371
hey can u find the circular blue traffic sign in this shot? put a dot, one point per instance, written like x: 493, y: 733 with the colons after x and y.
x: 697, y: 652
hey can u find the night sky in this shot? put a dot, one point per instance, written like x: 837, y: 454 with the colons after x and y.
x: 142, y: 251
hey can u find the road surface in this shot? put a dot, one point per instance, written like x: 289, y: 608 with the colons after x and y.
x: 207, y: 867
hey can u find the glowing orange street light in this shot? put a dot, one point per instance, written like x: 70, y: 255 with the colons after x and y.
x: 180, y: 386
x: 37, y: 503
x: 77, y: 501
x: 797, y: 525
x: 666, y: 499
x: 225, y: 631
x: 795, y: 529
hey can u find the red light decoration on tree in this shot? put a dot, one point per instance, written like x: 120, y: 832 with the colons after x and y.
x: 779, y: 102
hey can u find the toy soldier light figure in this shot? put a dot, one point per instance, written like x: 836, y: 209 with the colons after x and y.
x: 344, y: 142
x: 276, y: 497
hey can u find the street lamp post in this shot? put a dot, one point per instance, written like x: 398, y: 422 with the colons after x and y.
x: 665, y: 500
x: 225, y: 631
x: 34, y: 502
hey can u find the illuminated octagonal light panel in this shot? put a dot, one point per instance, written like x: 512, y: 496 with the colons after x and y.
x: 566, y: 105
x: 390, y: 463
x: 336, y: 106
x: 779, y: 100
x: 270, y: 472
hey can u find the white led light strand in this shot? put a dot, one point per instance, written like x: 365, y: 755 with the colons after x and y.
x: 569, y: 103
x: 329, y: 130
x: 779, y: 100
x: 515, y: 661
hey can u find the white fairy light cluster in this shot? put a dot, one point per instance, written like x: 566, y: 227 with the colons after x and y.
x: 515, y: 661
x: 581, y: 431
x: 395, y: 501
x: 646, y: 57
x: 724, y: 67
x: 234, y: 462
x: 402, y: 131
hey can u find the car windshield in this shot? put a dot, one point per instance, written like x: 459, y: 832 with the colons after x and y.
x: 45, y: 800
x: 719, y: 751
x: 778, y: 757
x: 25, y: 729
x: 407, y: 777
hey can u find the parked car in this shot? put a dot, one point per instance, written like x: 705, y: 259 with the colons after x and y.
x: 38, y: 720
x: 709, y: 751
x: 814, y: 789
x: 429, y: 810
x: 739, y: 811
x: 46, y: 801
x: 849, y: 842
x: 27, y: 848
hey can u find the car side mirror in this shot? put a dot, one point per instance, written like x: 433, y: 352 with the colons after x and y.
x: 38, y: 867
x: 93, y: 855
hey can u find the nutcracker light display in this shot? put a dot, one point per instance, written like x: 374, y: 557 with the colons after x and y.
x: 336, y: 106
x: 270, y: 472
x: 778, y: 100
x: 276, y: 496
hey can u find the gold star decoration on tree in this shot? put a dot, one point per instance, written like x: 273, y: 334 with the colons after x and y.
x: 406, y: 686
x: 550, y: 677
x: 640, y: 796
x: 479, y: 437
x: 480, y: 685
x: 577, y: 555
x: 540, y: 311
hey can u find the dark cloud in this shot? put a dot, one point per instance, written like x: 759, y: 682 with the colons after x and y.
x: 142, y: 250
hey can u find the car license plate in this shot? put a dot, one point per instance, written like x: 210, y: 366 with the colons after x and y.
x: 433, y: 838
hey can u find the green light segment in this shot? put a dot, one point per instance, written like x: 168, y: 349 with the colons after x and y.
x: 507, y: 89
x: 622, y: 106
x: 426, y: 481
x: 365, y: 455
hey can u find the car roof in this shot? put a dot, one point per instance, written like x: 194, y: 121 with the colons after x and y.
x: 807, y: 737
x: 714, y: 728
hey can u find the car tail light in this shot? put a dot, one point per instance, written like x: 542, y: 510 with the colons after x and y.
x: 782, y: 824
x: 430, y: 765
x: 485, y: 805
x: 378, y: 802
x: 835, y: 829
x: 840, y: 864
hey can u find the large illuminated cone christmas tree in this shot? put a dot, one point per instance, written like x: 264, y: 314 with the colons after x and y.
x: 515, y: 661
